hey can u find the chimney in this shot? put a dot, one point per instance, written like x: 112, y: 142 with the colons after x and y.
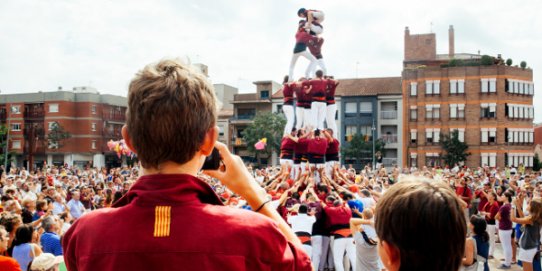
x: 451, y: 41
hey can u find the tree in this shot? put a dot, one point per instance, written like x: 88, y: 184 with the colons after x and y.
x: 455, y: 150
x: 361, y: 148
x: 454, y: 62
x: 523, y: 64
x: 265, y: 125
x: 3, y: 146
x: 486, y: 60
x: 537, y: 164
x: 509, y: 62
x: 57, y: 136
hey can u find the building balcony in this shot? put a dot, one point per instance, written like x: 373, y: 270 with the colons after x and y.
x: 389, y: 138
x: 34, y: 114
x: 388, y: 115
x: 116, y: 117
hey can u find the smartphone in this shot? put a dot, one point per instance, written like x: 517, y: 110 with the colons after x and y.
x: 212, y: 162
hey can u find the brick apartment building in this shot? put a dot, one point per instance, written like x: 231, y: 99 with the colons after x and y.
x: 490, y: 106
x: 90, y: 117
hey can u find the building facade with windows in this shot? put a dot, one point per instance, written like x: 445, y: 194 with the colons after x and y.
x: 91, y: 118
x: 245, y: 108
x: 491, y: 107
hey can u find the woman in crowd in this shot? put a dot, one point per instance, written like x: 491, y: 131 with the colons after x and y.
x: 505, y: 228
x: 529, y: 241
x: 490, y: 211
x: 24, y: 250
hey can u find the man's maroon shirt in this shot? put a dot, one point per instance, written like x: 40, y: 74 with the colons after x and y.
x: 198, y: 233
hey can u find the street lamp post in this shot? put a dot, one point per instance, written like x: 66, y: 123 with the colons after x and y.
x: 373, y: 130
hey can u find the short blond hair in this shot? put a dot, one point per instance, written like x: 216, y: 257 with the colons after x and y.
x: 171, y: 107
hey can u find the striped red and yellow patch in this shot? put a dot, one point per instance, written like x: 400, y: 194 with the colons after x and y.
x: 162, y: 221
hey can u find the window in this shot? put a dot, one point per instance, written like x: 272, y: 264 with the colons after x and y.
x: 432, y: 111
x: 279, y: 109
x: 457, y: 86
x: 366, y: 132
x: 413, y: 159
x: 220, y: 130
x: 460, y: 133
x: 246, y: 113
x: 488, y: 159
x: 432, y: 136
x: 93, y: 109
x: 521, y: 135
x: 93, y: 127
x: 365, y: 108
x: 16, y: 144
x: 432, y: 87
x: 413, y: 89
x: 488, y: 85
x: 16, y: 109
x: 413, y: 113
x: 488, y: 110
x: 432, y: 159
x: 350, y: 109
x: 349, y: 132
x: 489, y: 135
x: 461, y: 86
x: 93, y: 144
x: 453, y: 86
x: 413, y: 136
x: 53, y: 108
x: 264, y: 94
x: 15, y: 127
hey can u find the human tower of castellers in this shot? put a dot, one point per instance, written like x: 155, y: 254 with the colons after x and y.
x: 308, y: 143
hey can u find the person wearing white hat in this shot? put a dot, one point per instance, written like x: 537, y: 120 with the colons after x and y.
x: 46, y: 262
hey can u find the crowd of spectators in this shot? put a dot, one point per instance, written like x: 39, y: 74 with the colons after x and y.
x: 333, y: 217
x: 38, y: 207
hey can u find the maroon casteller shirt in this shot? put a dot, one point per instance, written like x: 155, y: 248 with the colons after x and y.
x: 288, y: 93
x: 177, y: 222
x: 318, y: 90
x: 317, y: 146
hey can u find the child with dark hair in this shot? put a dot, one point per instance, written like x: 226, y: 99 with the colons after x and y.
x: 421, y: 226
x: 478, y: 226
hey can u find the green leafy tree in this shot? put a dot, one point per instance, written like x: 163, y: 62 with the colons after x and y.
x: 3, y: 145
x: 537, y: 164
x: 265, y: 125
x: 509, y: 62
x: 57, y: 136
x: 361, y: 148
x: 523, y: 64
x: 455, y: 150
x: 486, y: 60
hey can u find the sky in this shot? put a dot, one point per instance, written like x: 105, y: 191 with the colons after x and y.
x: 45, y: 44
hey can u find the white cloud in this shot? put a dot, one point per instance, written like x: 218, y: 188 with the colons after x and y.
x: 50, y: 43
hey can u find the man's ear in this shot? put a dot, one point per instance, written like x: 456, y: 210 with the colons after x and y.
x: 392, y: 258
x: 209, y: 141
x: 127, y: 139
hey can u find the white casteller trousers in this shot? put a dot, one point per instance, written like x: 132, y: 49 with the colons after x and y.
x: 290, y: 118
x: 341, y: 245
x: 318, y: 114
x: 309, y: 72
x: 330, y: 118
